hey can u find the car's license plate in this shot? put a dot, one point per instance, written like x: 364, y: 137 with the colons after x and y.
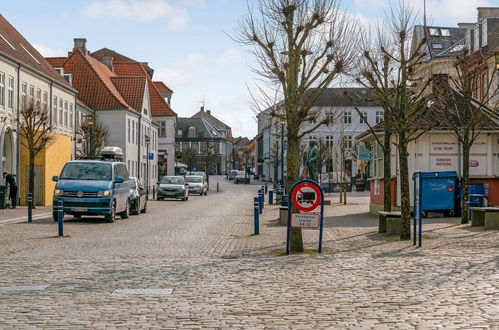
x: 170, y: 193
x: 79, y: 209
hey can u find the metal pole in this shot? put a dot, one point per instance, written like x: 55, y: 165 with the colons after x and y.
x: 260, y: 199
x: 321, y: 228
x: 416, y: 209
x: 282, y: 153
x: 217, y: 187
x: 147, y: 169
x: 271, y: 197
x: 256, y: 212
x: 60, y: 217
x: 30, y: 207
x: 288, y: 231
x: 420, y: 214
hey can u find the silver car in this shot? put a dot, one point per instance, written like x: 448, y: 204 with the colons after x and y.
x: 197, y: 184
x: 173, y: 187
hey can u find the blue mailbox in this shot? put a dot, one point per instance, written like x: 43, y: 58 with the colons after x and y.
x: 438, y: 190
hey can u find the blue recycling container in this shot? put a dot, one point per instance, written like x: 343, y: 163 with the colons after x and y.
x: 476, y: 188
x: 439, y: 189
x: 476, y: 200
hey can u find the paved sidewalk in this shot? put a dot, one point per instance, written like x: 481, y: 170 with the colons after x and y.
x: 22, y: 212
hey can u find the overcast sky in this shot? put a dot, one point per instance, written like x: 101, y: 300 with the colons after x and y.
x: 185, y: 41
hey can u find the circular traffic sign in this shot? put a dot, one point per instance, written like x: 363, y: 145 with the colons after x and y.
x: 306, y: 196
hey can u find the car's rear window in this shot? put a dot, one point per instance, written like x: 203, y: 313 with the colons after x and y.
x: 87, y: 171
x: 172, y: 180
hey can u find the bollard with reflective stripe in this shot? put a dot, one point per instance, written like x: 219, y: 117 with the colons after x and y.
x: 266, y: 188
x: 256, y: 211
x: 271, y: 197
x: 260, y: 201
x: 262, y: 192
x: 30, y: 207
x: 217, y: 187
x: 60, y: 217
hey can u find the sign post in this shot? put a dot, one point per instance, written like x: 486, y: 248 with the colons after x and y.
x: 308, y: 197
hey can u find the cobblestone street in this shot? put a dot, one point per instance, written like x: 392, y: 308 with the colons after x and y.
x: 223, y: 277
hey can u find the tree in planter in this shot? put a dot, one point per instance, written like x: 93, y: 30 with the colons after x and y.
x: 405, y: 98
x: 464, y: 110
x: 87, y: 131
x: 300, y: 47
x: 35, y: 132
x: 189, y: 155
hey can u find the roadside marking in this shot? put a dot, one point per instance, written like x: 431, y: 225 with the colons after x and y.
x: 38, y: 216
x: 156, y: 292
x: 23, y: 288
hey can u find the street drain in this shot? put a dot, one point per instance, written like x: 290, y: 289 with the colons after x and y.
x: 145, y: 292
x: 23, y: 288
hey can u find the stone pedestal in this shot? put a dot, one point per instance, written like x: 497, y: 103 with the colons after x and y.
x: 393, y: 226
x: 477, y: 218
x: 283, y: 215
x: 492, y: 221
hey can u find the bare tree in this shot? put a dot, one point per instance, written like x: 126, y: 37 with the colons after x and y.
x: 189, y: 155
x: 390, y: 71
x: 465, y: 107
x: 300, y: 47
x: 36, y: 134
x: 91, y: 136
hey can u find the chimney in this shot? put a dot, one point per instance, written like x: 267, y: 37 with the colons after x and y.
x: 108, y: 61
x: 81, y: 44
x: 202, y: 108
x: 208, y: 112
x: 468, y: 26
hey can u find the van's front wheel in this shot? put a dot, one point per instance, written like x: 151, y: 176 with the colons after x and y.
x: 125, y: 214
x: 112, y: 216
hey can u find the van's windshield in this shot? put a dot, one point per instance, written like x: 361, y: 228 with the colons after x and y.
x: 87, y: 171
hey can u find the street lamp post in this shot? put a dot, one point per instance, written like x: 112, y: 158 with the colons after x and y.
x: 147, y: 165
x: 282, y: 152
x: 90, y: 121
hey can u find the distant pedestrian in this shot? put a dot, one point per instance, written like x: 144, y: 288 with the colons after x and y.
x: 10, y: 179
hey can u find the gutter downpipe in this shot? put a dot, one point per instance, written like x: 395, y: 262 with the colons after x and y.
x: 139, y: 143
x: 18, y: 142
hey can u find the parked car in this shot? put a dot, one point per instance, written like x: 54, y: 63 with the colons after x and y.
x: 94, y: 187
x: 197, y: 184
x: 138, y: 197
x: 173, y: 187
x: 203, y: 174
x: 242, y: 176
x: 232, y: 174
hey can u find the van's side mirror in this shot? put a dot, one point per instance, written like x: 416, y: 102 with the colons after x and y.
x: 55, y: 178
x: 186, y: 184
x: 119, y: 179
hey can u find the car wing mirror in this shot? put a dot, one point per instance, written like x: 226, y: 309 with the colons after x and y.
x: 119, y: 179
x: 55, y: 178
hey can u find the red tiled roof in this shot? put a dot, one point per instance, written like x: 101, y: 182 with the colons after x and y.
x: 132, y: 89
x: 162, y: 87
x: 14, y: 45
x: 93, y: 81
x: 101, y: 53
x: 159, y: 107
x: 56, y: 62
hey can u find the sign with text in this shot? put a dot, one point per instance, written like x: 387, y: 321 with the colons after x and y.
x: 305, y: 220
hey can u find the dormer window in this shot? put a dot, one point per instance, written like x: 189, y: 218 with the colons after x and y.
x: 145, y: 111
x: 192, y: 132
x: 445, y: 32
x: 433, y: 32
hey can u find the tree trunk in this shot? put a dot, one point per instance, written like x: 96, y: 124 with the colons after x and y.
x: 292, y: 175
x: 465, y: 180
x: 31, y: 182
x: 405, y: 228
x: 387, y: 172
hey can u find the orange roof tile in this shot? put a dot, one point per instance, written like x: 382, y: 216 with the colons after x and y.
x: 56, y: 62
x: 132, y: 89
x: 162, y: 87
x: 14, y: 45
x: 159, y: 107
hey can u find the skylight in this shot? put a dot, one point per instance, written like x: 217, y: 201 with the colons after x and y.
x: 436, y: 46
x: 27, y: 51
x: 434, y: 32
x: 7, y: 41
x: 445, y: 32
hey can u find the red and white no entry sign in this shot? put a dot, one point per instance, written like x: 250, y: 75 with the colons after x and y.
x: 306, y: 197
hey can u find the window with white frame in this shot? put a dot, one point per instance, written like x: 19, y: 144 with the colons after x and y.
x: 2, y: 89
x: 348, y: 141
x: 133, y: 132
x: 347, y: 117
x: 38, y: 97
x: 329, y: 142
x: 66, y: 114
x: 162, y: 129
x: 24, y: 90
x: 31, y: 93
x: 10, y: 93
x: 363, y: 117
x: 379, y: 117
x: 71, y: 115
x: 54, y: 111
x: 129, y: 131
x: 330, y: 116
x: 61, y: 119
x: 45, y: 101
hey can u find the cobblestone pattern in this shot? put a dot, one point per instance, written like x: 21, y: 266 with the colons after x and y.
x: 364, y: 281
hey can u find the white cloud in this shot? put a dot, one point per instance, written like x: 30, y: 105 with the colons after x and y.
x: 175, y: 14
x: 451, y: 11
x: 183, y: 72
x: 231, y: 57
x: 49, y: 52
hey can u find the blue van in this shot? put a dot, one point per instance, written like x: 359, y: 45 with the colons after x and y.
x: 93, y: 187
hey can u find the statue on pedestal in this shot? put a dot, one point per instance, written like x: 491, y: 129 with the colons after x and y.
x: 312, y: 160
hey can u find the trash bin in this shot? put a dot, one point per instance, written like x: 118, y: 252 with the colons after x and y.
x: 475, y: 200
x: 3, y: 196
x: 476, y: 188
